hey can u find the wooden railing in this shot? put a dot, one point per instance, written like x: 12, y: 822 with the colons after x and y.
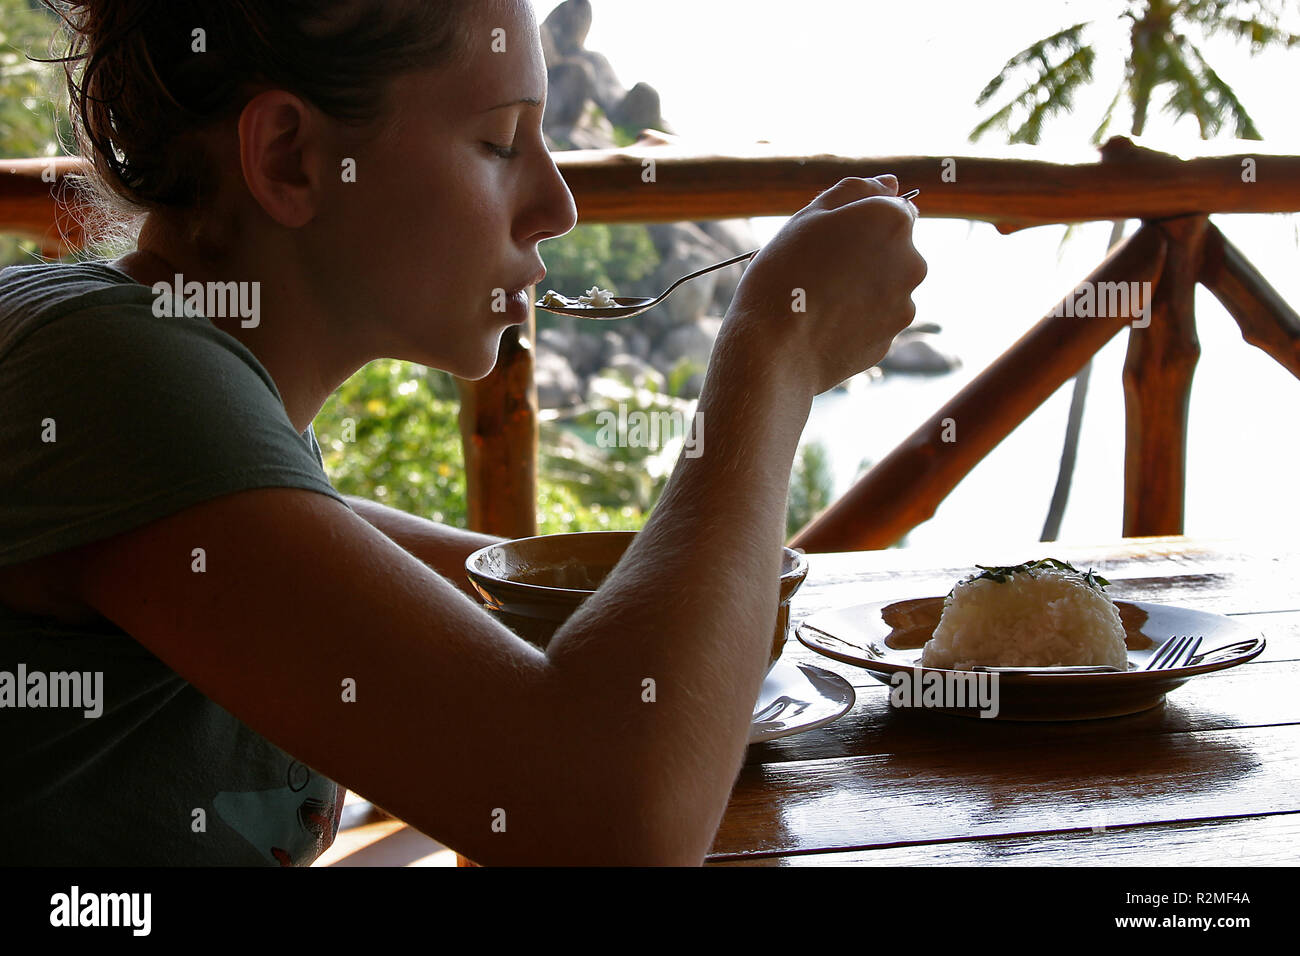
x: 1175, y: 247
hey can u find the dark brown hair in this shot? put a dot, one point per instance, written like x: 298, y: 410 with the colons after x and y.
x: 149, y: 82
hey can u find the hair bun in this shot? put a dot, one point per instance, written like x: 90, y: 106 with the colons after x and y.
x: 149, y: 82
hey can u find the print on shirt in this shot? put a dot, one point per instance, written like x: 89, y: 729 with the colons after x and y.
x: 260, y: 816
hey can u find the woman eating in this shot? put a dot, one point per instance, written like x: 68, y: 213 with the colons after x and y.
x: 345, y: 181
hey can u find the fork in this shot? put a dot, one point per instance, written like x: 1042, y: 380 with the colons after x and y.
x: 1175, y: 652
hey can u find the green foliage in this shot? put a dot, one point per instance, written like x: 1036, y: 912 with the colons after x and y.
x: 1160, y: 55
x: 584, y: 487
x: 612, y: 257
x: 680, y: 374
x: 15, y: 251
x: 1198, y: 91
x: 1051, y: 89
x: 616, y: 257
x: 559, y: 510
x: 595, y: 457
x: 390, y: 433
x: 1258, y: 22
x: 33, y: 114
x: 625, y: 135
x: 810, y: 487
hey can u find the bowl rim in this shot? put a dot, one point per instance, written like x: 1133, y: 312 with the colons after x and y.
x: 798, y: 570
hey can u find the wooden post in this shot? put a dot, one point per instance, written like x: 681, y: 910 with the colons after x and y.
x: 1158, y: 386
x: 498, y: 428
x: 906, y: 487
x: 1266, y: 321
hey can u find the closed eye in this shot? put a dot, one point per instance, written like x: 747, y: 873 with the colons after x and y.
x: 501, y: 152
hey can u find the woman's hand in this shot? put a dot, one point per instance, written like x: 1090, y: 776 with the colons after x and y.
x: 833, y: 288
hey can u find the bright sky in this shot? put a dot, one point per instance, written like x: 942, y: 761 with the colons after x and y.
x: 825, y: 72
x: 875, y: 78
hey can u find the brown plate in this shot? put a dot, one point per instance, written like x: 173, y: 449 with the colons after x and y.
x: 886, y: 638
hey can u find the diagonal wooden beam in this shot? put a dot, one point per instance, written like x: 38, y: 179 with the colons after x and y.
x: 906, y: 487
x: 1266, y: 321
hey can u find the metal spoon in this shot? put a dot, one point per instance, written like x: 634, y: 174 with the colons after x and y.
x: 629, y: 306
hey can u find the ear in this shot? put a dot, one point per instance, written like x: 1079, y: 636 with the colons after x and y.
x: 280, y: 150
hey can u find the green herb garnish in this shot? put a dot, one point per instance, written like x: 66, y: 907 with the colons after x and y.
x: 1003, y: 574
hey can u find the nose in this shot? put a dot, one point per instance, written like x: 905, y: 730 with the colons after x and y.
x: 553, y: 211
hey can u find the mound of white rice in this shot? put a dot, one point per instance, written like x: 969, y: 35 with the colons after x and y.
x: 1038, y: 617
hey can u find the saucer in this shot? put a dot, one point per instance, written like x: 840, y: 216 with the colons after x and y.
x: 798, y: 697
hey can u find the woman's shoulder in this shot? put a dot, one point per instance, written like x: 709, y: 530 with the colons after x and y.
x: 32, y: 295
x: 94, y: 313
x: 20, y: 284
x: 115, y: 416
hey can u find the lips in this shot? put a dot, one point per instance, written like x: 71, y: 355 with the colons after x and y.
x: 517, y: 307
x: 533, y: 281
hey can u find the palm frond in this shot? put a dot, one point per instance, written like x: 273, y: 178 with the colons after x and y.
x: 1060, y: 88
x: 999, y: 120
x: 1106, y: 118
x: 1260, y: 36
x: 1224, y: 101
x: 1071, y: 228
x: 1068, y: 40
x: 1050, y: 92
x: 1189, y: 96
x: 1060, y: 64
x: 1258, y: 22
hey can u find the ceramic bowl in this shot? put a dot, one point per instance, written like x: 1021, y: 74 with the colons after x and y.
x: 532, y: 585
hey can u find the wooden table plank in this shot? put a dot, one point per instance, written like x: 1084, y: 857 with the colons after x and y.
x: 966, y: 792
x: 1250, y: 695
x: 1272, y: 840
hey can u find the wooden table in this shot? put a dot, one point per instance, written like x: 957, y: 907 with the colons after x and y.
x: 1209, y: 778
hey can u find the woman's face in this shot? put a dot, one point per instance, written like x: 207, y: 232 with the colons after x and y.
x: 439, y: 231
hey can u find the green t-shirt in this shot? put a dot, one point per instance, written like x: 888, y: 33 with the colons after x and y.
x: 110, y: 418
